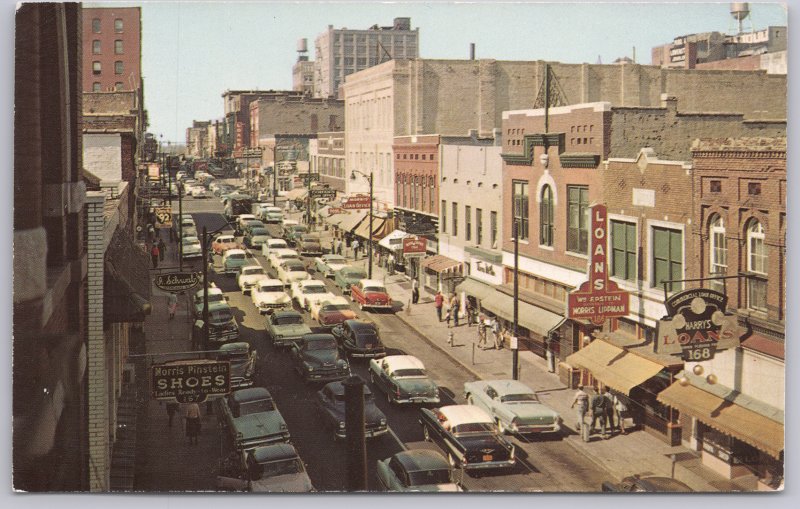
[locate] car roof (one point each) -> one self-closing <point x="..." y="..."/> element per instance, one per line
<point x="311" y="282"/>
<point x="293" y="262"/>
<point x="281" y="251"/>
<point x="235" y="347"/>
<point x="464" y="414"/>
<point x="226" y="237"/>
<point x="372" y="282"/>
<point x="504" y="387"/>
<point x="360" y="325"/>
<point x="191" y="238"/>
<point x="418" y="460"/>
<point x="351" y="268"/>
<point x="332" y="256"/>
<point x="235" y="251"/>
<point x="318" y="337"/>
<point x="276" y="241"/>
<point x="274" y="452"/>
<point x="250" y="393"/>
<point x="403" y="362"/>
<point x="335" y="300"/>
<point x="248" y="267"/>
<point x="288" y="312"/>
<point x="338" y="387"/>
<point x="269" y="281"/>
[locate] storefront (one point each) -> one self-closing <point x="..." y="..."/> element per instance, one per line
<point x="440" y="273"/>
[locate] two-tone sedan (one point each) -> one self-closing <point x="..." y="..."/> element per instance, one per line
<point x="468" y="436"/>
<point x="316" y="359"/>
<point x="309" y="291"/>
<point x="359" y="339"/>
<point x="513" y="405"/>
<point x="271" y="245"/>
<point x="233" y="260"/>
<point x="292" y="271"/>
<point x="249" y="276"/>
<point x="370" y="293"/>
<point x="346" y="277"/>
<point x="331" y="403"/>
<point x="417" y="470"/>
<point x="404" y="380"/>
<point x="278" y="256"/>
<point x="269" y="296"/>
<point x="223" y="243"/>
<point x="328" y="264"/>
<point x="330" y="313"/>
<point x="286" y="327"/>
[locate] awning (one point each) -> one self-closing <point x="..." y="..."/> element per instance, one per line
<point x="394" y="240"/>
<point x="336" y="219"/>
<point x="439" y="263"/>
<point x="126" y="286"/>
<point x="351" y="221"/>
<point x="363" y="229"/>
<point x="476" y="288"/>
<point x="614" y="366"/>
<point x="297" y="193"/>
<point x="726" y="416"/>
<point x="533" y="318"/>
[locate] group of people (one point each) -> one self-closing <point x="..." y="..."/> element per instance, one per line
<point x="191" y="416"/>
<point x="607" y="410"/>
<point x="449" y="308"/>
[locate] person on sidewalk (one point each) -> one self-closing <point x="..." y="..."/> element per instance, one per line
<point x="414" y="291"/>
<point x="482" y="332"/>
<point x="438" y="301"/>
<point x="192" y="422"/>
<point x="620" y="411"/>
<point x="598" y="404"/>
<point x="390" y="264"/>
<point x="470" y="312"/>
<point x="154" y="254"/>
<point x="581" y="400"/>
<point x="356" y="244"/>
<point x="172" y="304"/>
<point x="609" y="409"/>
<point x="498" y="335"/>
<point x="339" y="244"/>
<point x="455" y="307"/>
<point x="172" y="409"/>
<point x="162" y="249"/>
<point x="448" y="313"/>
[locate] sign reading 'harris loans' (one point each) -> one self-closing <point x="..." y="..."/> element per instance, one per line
<point x="190" y="381"/>
<point x="177" y="281"/>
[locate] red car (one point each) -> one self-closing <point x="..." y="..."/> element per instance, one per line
<point x="369" y="293"/>
<point x="223" y="243"/>
<point x="330" y="313"/>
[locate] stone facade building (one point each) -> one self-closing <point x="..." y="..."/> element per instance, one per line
<point x="326" y="155"/>
<point x="112" y="49"/>
<point x="197" y="139"/>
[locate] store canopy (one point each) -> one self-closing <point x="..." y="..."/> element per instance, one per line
<point x="349" y="223"/>
<point x="336" y="219"/>
<point x="394" y="240"/>
<point x="439" y="263"/>
<point x="297" y="193"/>
<point x="476" y="288"/>
<point x="615" y="367"/>
<point x="533" y="318"/>
<point x="726" y="416"/>
<point x="363" y="229"/>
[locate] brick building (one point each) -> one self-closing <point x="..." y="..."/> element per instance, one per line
<point x="197" y="139"/>
<point x="236" y="127"/>
<point x="112" y="49"/>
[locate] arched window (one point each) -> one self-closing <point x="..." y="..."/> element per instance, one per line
<point x="546" y="217"/>
<point x="718" y="264"/>
<point x="757" y="266"/>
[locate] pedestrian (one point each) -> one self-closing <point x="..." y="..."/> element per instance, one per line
<point x="581" y="400"/>
<point x="455" y="307"/>
<point x="154" y="254"/>
<point x="414" y="291"/>
<point x="356" y="245"/>
<point x="482" y="332"/>
<point x="339" y="244"/>
<point x="609" y="409"/>
<point x="620" y="411"/>
<point x="598" y="405"/>
<point x="172" y="408"/>
<point x="470" y="312"/>
<point x="498" y="336"/>
<point x="151" y="232"/>
<point x="448" y="313"/>
<point x="390" y="264"/>
<point x="162" y="249"/>
<point x="172" y="305"/>
<point x="192" y="422"/>
<point x="438" y="301"/>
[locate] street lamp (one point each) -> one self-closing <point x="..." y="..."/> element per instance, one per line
<point x="370" y="178"/>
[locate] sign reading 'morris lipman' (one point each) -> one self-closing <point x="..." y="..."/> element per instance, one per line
<point x="177" y="281"/>
<point x="599" y="298"/>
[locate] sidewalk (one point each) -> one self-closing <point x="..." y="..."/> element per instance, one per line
<point x="637" y="452"/>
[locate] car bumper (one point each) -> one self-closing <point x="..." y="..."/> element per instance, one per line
<point x="366" y="355"/>
<point x="271" y="308"/>
<point x="223" y="337"/>
<point x="368" y="433"/>
<point x="536" y="428"/>
<point x="418" y="400"/>
<point x="489" y="465"/>
<point x="331" y="376"/>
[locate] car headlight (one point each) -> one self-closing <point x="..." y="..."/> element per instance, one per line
<point x="383" y="422"/>
<point x="309" y="367"/>
<point x="341" y="363"/>
<point x="341" y="425"/>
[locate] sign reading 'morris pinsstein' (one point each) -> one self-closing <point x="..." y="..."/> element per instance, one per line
<point x="177" y="281"/>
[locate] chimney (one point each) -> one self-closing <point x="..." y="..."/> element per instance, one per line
<point x="472" y="51"/>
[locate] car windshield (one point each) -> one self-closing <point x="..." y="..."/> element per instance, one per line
<point x="289" y="320"/>
<point x="474" y="427"/>
<point x="322" y="344"/>
<point x="236" y="256"/>
<point x="336" y="307"/>
<point x="298" y="229"/>
<point x="375" y="289"/>
<point x="220" y="316"/>
<point x="355" y="274"/>
<point x="314" y="289"/>
<point x="214" y="297"/>
<point x="295" y="268"/>
<point x="426" y="477"/>
<point x="254" y="270"/>
<point x="310" y="238"/>
<point x="276" y="468"/>
<point x="259" y="231"/>
<point x="519" y="398"/>
<point x="270" y="288"/>
<point x="191" y="243"/>
<point x="410" y="373"/>
<point x="254" y="407"/>
<point x="277" y="245"/>
<point x="367" y="338"/>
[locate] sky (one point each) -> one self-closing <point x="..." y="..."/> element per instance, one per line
<point x="193" y="51"/>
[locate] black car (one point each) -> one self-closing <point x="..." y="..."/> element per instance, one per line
<point x="359" y="339"/>
<point x="243" y="362"/>
<point x="636" y="484"/>
<point x="316" y="359"/>
<point x="331" y="403"/>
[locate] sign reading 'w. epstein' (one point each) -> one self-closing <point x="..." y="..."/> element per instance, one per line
<point x="177" y="281"/>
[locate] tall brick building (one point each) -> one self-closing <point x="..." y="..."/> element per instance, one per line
<point x="112" y="49"/>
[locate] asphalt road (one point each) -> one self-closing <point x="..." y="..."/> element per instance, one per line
<point x="544" y="464"/>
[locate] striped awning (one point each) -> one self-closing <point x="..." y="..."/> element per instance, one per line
<point x="351" y="221"/>
<point x="615" y="367"/>
<point x="363" y="229"/>
<point x="440" y="263"/>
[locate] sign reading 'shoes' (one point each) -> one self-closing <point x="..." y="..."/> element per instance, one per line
<point x="190" y="381"/>
<point x="177" y="281"/>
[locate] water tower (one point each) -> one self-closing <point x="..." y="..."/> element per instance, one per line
<point x="740" y="11"/>
<point x="302" y="50"/>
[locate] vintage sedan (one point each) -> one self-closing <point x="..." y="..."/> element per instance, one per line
<point x="291" y="271"/>
<point x="199" y="192"/>
<point x="256" y="238"/>
<point x="469" y="437"/>
<point x="513" y="405"/>
<point x="249" y="276"/>
<point x="276" y="469"/>
<point x="331" y="312"/>
<point x="404" y="380"/>
<point x="308" y="244"/>
<point x="316" y="359"/>
<point x="328" y="264"/>
<point x="286" y="327"/>
<point x="331" y="403"/>
<point x="233" y="260"/>
<point x="191" y="249"/>
<point x="420" y="470"/>
<point x="309" y="292"/>
<point x="292" y="232"/>
<point x="270" y="245"/>
<point x="346" y="277"/>
<point x="359" y="339"/>
<point x="269" y="296"/>
<point x="278" y="256"/>
<point x="242" y="360"/>
<point x="215" y="296"/>
<point x="223" y="243"/>
<point x="370" y="293"/>
<point x="250" y="418"/>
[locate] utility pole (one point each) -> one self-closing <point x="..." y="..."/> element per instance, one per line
<point x="369" y="240"/>
<point x="515" y="351"/>
<point x="204" y="250"/>
<point x="354" y="429"/>
<point x="180" y="227"/>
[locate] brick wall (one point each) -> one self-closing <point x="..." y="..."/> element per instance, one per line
<point x="131" y="47"/>
<point x="299" y="116"/>
<point x="120" y="103"/>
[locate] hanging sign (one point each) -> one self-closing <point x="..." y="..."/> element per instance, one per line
<point x="360" y="201"/>
<point x="599" y="298"/>
<point x="414" y="245"/>
<point x="190" y="381"/>
<point x="163" y="216"/>
<point x="177" y="281"/>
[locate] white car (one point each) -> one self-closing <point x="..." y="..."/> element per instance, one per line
<point x="278" y="256"/>
<point x="259" y="209"/>
<point x="243" y="218"/>
<point x="272" y="244"/>
<point x="248" y="276"/>
<point x="191" y="248"/>
<point x="308" y="291"/>
<point x="328" y="264"/>
<point x="268" y="295"/>
<point x="337" y="305"/>
<point x="292" y="270"/>
<point x="199" y="192"/>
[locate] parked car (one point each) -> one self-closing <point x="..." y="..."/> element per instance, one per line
<point x="233" y="260"/>
<point x="370" y="293"/>
<point x="331" y="312"/>
<point x="256" y="237"/>
<point x="251" y="419"/>
<point x="269" y="296"/>
<point x="346" y="277"/>
<point x="514" y="406"/>
<point x="331" y="404"/>
<point x="636" y="484"/>
<point x="292" y="232"/>
<point x="404" y="380"/>
<point x="222" y="326"/>
<point x="199" y="192"/>
<point x="328" y="264"/>
<point x="224" y="242"/>
<point x="469" y="437"/>
<point x="215" y="296"/>
<point x="292" y="270"/>
<point x="191" y="249"/>
<point x="249" y="276"/>
<point x="316" y="359"/>
<point x="270" y="245"/>
<point x="308" y="244"/>
<point x="278" y="256"/>
<point x="250" y="224"/>
<point x="309" y="291"/>
<point x="416" y="470"/>
<point x="189" y="231"/>
<point x="242" y="361"/>
<point x="359" y="339"/>
<point x="285" y="327"/>
<point x="274" y="468"/>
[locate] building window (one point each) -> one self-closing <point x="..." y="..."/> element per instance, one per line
<point x="118" y="86"/>
<point x="430" y="186"/>
<point x="493" y="228"/>
<point x="455" y="219"/>
<point x="468" y="223"/>
<point x="96" y="86"/>
<point x="96" y="68"/>
<point x="478" y="226"/>
<point x="118" y="26"/>
<point x="719" y="252"/>
<point x="578" y="219"/>
<point x="715" y="186"/>
<point x="96" y="25"/>
<point x="546" y="217"/>
<point x="118" y="47"/>
<point x="444" y="216"/>
<point x="96" y="47"/>
<point x="623" y="250"/>
<point x="667" y="258"/>
<point x="756" y="264"/>
<point x="754" y="188"/>
<point x="118" y="68"/>
<point x="520" y="205"/>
